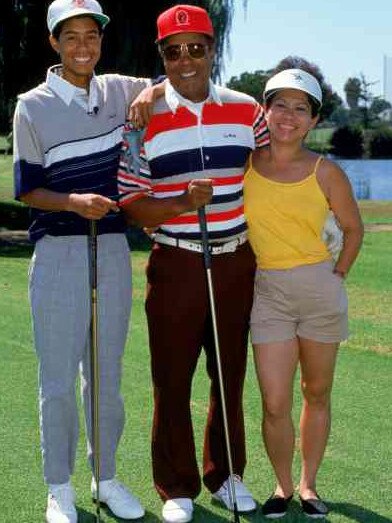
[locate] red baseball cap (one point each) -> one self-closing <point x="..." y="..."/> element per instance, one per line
<point x="184" y="19"/>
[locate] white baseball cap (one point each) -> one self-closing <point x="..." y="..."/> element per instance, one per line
<point x="61" y="10"/>
<point x="294" y="79"/>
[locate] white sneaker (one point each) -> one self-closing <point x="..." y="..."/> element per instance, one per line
<point x="245" y="501"/>
<point x="118" y="499"/>
<point x="177" y="510"/>
<point x="61" y="504"/>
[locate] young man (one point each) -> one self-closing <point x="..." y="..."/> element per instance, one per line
<point x="67" y="139"/>
<point x="196" y="146"/>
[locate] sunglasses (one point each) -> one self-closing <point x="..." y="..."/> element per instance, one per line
<point x="172" y="53"/>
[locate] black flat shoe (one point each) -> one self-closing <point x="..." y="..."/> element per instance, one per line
<point x="314" y="508"/>
<point x="276" y="506"/>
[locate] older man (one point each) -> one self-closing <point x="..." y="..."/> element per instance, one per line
<point x="194" y="151"/>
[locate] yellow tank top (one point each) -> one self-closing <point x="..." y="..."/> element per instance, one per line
<point x="285" y="220"/>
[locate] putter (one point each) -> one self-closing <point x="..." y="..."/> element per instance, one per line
<point x="207" y="263"/>
<point x="94" y="363"/>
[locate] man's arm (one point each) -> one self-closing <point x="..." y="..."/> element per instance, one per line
<point x="260" y="129"/>
<point x="136" y="190"/>
<point x="90" y="206"/>
<point x="147" y="211"/>
<point x="141" y="109"/>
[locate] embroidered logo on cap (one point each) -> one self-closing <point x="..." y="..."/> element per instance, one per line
<point x="79" y="3"/>
<point x="182" y="17"/>
<point x="298" y="77"/>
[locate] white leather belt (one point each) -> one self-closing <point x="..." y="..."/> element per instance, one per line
<point x="223" y="248"/>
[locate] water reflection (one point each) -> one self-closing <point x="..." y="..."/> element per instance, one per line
<point x="370" y="179"/>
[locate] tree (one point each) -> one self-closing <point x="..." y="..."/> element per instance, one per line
<point x="347" y="142"/>
<point x="379" y="105"/>
<point x="380" y="145"/>
<point x="360" y="99"/>
<point x="352" y="88"/>
<point x="250" y="83"/>
<point x="129" y="44"/>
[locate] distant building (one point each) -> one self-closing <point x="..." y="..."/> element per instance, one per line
<point x="388" y="78"/>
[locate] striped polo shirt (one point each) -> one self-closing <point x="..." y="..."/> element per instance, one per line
<point x="68" y="140"/>
<point x="184" y="141"/>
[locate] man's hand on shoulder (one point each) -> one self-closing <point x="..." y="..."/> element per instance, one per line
<point x="141" y="109"/>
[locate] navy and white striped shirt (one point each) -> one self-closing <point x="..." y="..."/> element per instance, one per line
<point x="68" y="141"/>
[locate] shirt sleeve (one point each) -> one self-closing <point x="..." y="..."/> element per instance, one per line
<point x="133" y="176"/>
<point x="29" y="171"/>
<point x="134" y="86"/>
<point x="260" y="129"/>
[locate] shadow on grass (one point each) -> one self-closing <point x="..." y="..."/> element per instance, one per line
<point x="85" y="516"/>
<point x="352" y="512"/>
<point x="357" y="513"/>
<point x="202" y="514"/>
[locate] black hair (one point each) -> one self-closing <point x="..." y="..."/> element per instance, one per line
<point x="57" y="30"/>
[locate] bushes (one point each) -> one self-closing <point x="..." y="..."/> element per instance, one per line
<point x="380" y="144"/>
<point x="352" y="142"/>
<point x="347" y="142"/>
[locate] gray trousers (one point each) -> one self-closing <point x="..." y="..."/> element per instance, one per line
<point x="60" y="303"/>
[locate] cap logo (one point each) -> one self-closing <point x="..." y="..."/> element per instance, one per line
<point x="298" y="77"/>
<point x="182" y="17"/>
<point x="79" y="3"/>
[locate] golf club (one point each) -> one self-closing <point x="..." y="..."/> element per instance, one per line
<point x="94" y="363"/>
<point x="207" y="263"/>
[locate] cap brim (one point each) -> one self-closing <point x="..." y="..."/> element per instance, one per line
<point x="102" y="19"/>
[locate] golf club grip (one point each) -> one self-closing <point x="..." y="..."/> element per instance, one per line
<point x="201" y="211"/>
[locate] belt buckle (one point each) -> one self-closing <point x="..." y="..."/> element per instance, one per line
<point x="216" y="249"/>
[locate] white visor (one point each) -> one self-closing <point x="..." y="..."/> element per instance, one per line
<point x="294" y="79"/>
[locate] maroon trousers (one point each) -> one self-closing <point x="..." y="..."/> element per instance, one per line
<point x="180" y="326"/>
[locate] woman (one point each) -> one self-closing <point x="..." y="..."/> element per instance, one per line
<point x="299" y="312"/>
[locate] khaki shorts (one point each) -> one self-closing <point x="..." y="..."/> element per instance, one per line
<point x="309" y="301"/>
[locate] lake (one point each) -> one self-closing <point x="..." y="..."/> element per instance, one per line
<point x="370" y="179"/>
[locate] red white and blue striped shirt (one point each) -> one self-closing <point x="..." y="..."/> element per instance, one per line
<point x="185" y="141"/>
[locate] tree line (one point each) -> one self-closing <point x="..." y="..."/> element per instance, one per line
<point x="129" y="48"/>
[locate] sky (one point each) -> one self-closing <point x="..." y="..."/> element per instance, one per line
<point x="343" y="37"/>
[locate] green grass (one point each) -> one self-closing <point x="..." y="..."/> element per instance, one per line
<point x="355" y="476"/>
<point x="321" y="134"/>
<point x="376" y="211"/>
<point x="319" y="139"/>
<point x="6" y="179"/>
<point x="3" y="142"/>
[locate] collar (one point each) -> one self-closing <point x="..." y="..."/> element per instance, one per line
<point x="174" y="99"/>
<point x="67" y="91"/>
